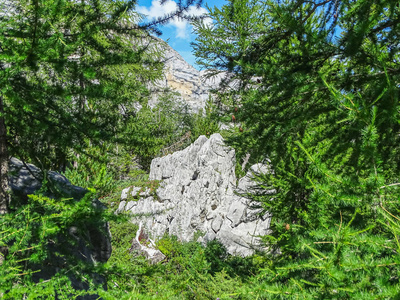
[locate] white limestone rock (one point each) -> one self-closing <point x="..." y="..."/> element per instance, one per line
<point x="125" y="193"/>
<point x="197" y="194"/>
<point x="121" y="206"/>
<point x="144" y="245"/>
<point x="135" y="191"/>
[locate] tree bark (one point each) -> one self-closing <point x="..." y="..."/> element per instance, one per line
<point x="4" y="188"/>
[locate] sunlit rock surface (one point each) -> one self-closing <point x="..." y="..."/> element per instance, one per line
<point x="198" y="198"/>
<point x="191" y="84"/>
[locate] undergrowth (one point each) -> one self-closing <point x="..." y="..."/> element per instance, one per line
<point x="190" y="270"/>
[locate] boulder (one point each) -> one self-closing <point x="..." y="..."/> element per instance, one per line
<point x="198" y="195"/>
<point x="92" y="246"/>
<point x="26" y="179"/>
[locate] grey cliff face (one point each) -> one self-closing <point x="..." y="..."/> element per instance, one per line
<point x="197" y="196"/>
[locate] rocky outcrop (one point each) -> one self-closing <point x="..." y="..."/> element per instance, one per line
<point x="192" y="85"/>
<point x="26" y="179"/>
<point x="198" y="197"/>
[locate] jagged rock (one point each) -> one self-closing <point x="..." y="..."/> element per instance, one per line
<point x="121" y="206"/>
<point x="125" y="193"/>
<point x="197" y="194"/>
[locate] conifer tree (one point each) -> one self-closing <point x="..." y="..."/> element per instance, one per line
<point x="69" y="71"/>
<point x="319" y="98"/>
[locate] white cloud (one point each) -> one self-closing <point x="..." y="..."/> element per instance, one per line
<point x="182" y="26"/>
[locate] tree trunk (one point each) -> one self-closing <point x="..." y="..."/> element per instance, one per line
<point x="4" y="189"/>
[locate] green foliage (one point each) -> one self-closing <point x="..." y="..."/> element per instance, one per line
<point x="91" y="173"/>
<point x="122" y="270"/>
<point x="205" y="122"/>
<point x="156" y="128"/>
<point x="71" y="75"/>
<point x="167" y="245"/>
<point x="166" y="128"/>
<point x="315" y="92"/>
<point x="187" y="272"/>
<point x="42" y="260"/>
<point x="102" y="168"/>
<point x="67" y="68"/>
<point x="219" y="260"/>
<point x="323" y="108"/>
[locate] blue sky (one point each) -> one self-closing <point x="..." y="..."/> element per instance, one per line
<point x="178" y="33"/>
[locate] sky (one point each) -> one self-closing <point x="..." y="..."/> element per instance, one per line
<point x="178" y="33"/>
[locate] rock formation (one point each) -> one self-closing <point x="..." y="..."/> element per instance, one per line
<point x="198" y="197"/>
<point x="142" y="244"/>
<point x="191" y="84"/>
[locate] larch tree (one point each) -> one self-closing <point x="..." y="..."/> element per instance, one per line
<point x="68" y="69"/>
<point x="319" y="98"/>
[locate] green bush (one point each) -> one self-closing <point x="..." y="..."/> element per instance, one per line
<point x="205" y="122"/>
<point x="151" y="129"/>
<point x="41" y="260"/>
<point x="91" y="170"/>
<point x="190" y="271"/>
<point x="323" y="109"/>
